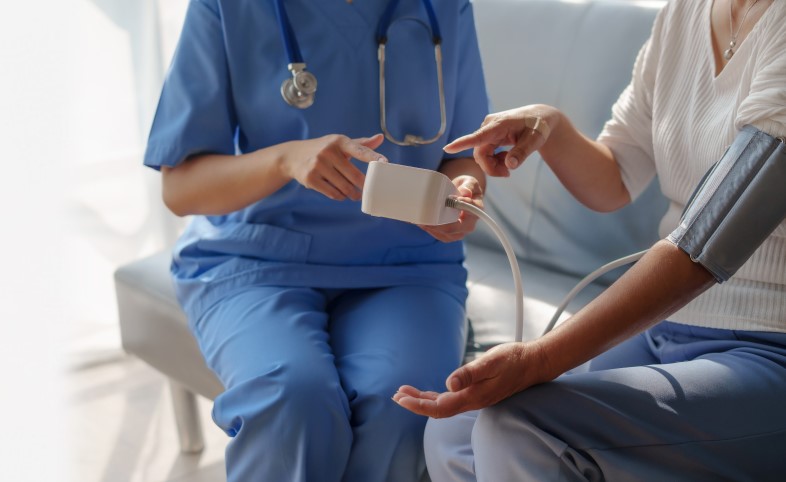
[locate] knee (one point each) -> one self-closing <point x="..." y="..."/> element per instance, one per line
<point x="498" y="425"/>
<point x="282" y="392"/>
<point x="491" y="426"/>
<point x="448" y="450"/>
<point x="377" y="408"/>
<point x="370" y="401"/>
<point x="448" y="435"/>
<point x="436" y="435"/>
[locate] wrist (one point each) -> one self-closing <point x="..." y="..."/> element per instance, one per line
<point x="548" y="367"/>
<point x="560" y="130"/>
<point x="282" y="159"/>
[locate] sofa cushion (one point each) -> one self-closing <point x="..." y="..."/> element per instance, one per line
<point x="491" y="306"/>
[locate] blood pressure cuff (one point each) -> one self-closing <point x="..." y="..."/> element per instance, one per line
<point x="737" y="205"/>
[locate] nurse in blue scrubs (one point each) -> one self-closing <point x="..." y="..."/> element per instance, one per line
<point x="310" y="312"/>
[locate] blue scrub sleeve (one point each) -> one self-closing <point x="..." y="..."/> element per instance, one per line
<point x="195" y="112"/>
<point x="471" y="103"/>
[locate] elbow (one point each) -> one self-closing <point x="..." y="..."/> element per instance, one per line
<point x="174" y="204"/>
<point x="610" y="203"/>
<point x="170" y="194"/>
<point x="611" y="192"/>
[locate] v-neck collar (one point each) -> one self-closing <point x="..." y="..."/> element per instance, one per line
<point x="353" y="20"/>
<point x="742" y="47"/>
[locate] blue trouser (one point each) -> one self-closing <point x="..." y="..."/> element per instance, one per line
<point x="675" y="403"/>
<point x="309" y="376"/>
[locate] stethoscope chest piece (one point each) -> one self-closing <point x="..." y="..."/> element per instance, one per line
<point x="299" y="90"/>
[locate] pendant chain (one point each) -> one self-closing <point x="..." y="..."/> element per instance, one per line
<point x="729" y="52"/>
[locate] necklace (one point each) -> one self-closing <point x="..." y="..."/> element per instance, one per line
<point x="729" y="52"/>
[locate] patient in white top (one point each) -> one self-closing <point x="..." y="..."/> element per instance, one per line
<point x="699" y="396"/>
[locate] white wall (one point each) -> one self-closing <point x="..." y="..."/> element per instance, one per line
<point x="113" y="201"/>
<point x="78" y="87"/>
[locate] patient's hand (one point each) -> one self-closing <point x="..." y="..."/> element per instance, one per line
<point x="501" y="372"/>
<point x="526" y="129"/>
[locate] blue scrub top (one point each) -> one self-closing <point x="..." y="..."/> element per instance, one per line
<point x="222" y="95"/>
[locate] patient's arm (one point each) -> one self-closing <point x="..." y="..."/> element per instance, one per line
<point x="585" y="167"/>
<point x="660" y="283"/>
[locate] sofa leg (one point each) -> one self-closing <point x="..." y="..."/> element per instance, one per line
<point x="189" y="428"/>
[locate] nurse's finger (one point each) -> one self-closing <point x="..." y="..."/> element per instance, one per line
<point x="325" y="187"/>
<point x="363" y="150"/>
<point x="455" y="231"/>
<point x="442" y="233"/>
<point x="344" y="176"/>
<point x="372" y="142"/>
<point x="469" y="187"/>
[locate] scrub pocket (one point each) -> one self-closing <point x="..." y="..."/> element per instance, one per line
<point x="432" y="252"/>
<point x="260" y="241"/>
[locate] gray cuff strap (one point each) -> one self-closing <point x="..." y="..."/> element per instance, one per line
<point x="738" y="204"/>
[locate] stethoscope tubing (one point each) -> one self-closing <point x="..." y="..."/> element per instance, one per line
<point x="293" y="48"/>
<point x="299" y="90"/>
<point x="287" y="34"/>
<point x="387" y="16"/>
<point x="436" y="37"/>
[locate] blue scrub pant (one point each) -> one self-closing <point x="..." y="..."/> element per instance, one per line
<point x="675" y="403"/>
<point x="309" y="376"/>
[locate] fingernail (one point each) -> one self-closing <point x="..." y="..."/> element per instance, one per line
<point x="382" y="159"/>
<point x="511" y="162"/>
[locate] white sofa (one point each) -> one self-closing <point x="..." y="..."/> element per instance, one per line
<point x="574" y="54"/>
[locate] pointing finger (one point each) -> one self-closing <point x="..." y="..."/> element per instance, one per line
<point x="362" y="150"/>
<point x="462" y="143"/>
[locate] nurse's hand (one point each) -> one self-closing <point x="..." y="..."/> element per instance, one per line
<point x="526" y="129"/>
<point x="501" y="372"/>
<point x="323" y="164"/>
<point x="470" y="192"/>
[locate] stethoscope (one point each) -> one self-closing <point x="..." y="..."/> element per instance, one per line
<point x="300" y="89"/>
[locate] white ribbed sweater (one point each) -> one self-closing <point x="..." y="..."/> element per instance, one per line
<point x="675" y="120"/>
